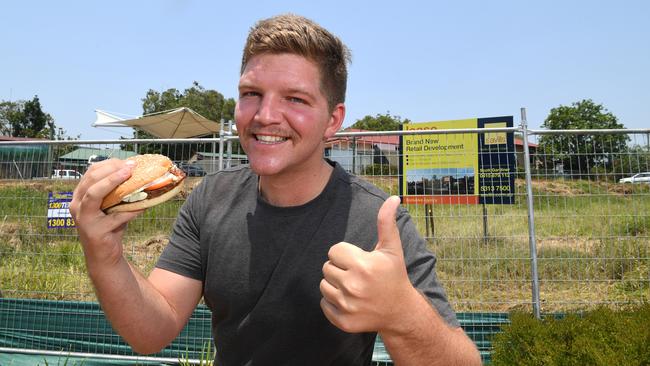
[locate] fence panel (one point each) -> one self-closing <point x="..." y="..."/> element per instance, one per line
<point x="593" y="230"/>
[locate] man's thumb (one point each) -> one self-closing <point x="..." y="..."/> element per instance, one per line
<point x="387" y="231"/>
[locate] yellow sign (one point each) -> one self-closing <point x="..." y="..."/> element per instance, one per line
<point x="495" y="138"/>
<point x="441" y="167"/>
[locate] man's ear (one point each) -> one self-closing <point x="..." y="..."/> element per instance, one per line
<point x="335" y="121"/>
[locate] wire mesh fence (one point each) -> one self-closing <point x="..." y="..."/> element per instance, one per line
<point x="591" y="224"/>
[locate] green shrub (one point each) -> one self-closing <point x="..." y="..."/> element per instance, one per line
<point x="598" y="337"/>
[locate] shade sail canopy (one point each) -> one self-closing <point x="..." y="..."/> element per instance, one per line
<point x="176" y="123"/>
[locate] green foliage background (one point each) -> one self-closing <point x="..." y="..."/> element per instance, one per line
<point x="582" y="152"/>
<point x="601" y="337"/>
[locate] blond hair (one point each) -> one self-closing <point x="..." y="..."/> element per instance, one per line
<point x="294" y="34"/>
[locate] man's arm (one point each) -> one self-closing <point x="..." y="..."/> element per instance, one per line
<point x="148" y="313"/>
<point x="370" y="291"/>
<point x="422" y="337"/>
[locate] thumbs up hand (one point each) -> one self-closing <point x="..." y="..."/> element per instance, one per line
<point x="362" y="291"/>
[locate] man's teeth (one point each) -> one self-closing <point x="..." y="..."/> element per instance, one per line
<point x="270" y="139"/>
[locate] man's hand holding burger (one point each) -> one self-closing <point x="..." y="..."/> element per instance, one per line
<point x="101" y="234"/>
<point x="112" y="193"/>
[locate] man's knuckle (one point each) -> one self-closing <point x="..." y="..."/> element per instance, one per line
<point x="321" y="286"/>
<point x="354" y="288"/>
<point x="90" y="196"/>
<point x="347" y="324"/>
<point x="91" y="175"/>
<point x="332" y="252"/>
<point x="365" y="268"/>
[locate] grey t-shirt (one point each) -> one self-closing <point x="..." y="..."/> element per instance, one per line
<point x="261" y="266"/>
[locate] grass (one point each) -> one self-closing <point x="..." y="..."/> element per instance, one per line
<point x="206" y="357"/>
<point x="593" y="246"/>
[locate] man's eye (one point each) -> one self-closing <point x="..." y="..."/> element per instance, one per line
<point x="249" y="94"/>
<point x="297" y="100"/>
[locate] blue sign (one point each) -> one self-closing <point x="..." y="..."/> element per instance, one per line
<point x="58" y="210"/>
<point x="496" y="163"/>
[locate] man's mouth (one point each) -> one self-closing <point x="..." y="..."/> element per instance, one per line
<point x="266" y="139"/>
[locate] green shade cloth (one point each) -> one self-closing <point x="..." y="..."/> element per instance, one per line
<point x="81" y="327"/>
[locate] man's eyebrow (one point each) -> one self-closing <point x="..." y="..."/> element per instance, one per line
<point x="244" y="85"/>
<point x="300" y="91"/>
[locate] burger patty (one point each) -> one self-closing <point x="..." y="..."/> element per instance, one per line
<point x="160" y="191"/>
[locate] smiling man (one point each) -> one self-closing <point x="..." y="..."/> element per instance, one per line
<point x="300" y="262"/>
<point x="283" y="118"/>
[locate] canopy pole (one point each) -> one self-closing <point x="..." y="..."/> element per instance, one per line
<point x="135" y="147"/>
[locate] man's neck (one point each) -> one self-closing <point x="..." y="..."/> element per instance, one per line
<point x="295" y="189"/>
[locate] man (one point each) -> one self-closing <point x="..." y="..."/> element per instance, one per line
<point x="299" y="262"/>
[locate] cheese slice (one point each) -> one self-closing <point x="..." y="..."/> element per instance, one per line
<point x="135" y="197"/>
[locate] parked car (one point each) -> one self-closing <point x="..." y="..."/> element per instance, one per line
<point x="65" y="174"/>
<point x="637" y="178"/>
<point x="192" y="170"/>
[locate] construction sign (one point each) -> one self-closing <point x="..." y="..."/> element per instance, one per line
<point x="458" y="168"/>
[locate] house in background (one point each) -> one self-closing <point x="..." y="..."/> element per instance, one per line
<point x="24" y="161"/>
<point x="355" y="154"/>
<point x="519" y="152"/>
<point x="78" y="158"/>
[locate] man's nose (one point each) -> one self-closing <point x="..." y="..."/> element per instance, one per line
<point x="270" y="110"/>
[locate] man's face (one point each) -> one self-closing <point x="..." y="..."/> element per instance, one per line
<point x="282" y="115"/>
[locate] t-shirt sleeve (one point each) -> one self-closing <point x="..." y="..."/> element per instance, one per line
<point x="182" y="255"/>
<point x="420" y="264"/>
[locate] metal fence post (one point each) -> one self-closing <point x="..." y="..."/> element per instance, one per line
<point x="531" y="218"/>
<point x="229" y="145"/>
<point x="221" y="141"/>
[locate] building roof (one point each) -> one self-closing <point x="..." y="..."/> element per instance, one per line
<point x="11" y="138"/>
<point x="83" y="153"/>
<point x="521" y="143"/>
<point x="384" y="139"/>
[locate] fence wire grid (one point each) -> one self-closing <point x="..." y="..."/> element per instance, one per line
<point x="584" y="241"/>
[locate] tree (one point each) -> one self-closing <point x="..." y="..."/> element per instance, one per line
<point x="25" y="119"/>
<point x="209" y="103"/>
<point x="228" y="110"/>
<point x="380" y="122"/>
<point x="10" y="114"/>
<point x="35" y="120"/>
<point x="577" y="152"/>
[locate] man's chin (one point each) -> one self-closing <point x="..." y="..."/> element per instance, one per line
<point x="266" y="169"/>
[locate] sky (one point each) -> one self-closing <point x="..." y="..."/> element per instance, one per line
<point x="421" y="60"/>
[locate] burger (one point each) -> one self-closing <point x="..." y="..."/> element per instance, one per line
<point x="154" y="180"/>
